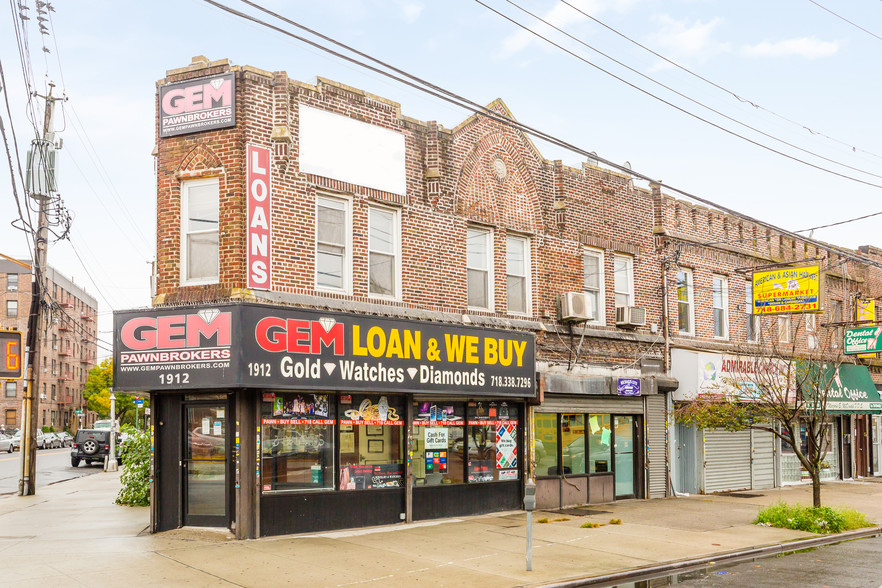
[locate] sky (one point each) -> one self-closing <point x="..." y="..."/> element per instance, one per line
<point x="792" y="70"/>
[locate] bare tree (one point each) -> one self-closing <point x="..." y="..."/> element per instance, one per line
<point x="780" y="385"/>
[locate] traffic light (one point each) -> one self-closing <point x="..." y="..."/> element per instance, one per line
<point x="11" y="356"/>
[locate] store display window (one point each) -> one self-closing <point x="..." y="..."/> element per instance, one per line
<point x="572" y="434"/>
<point x="371" y="442"/>
<point x="492" y="442"/>
<point x="438" y="443"/>
<point x="599" y="439"/>
<point x="297" y="442"/>
<point x="545" y="442"/>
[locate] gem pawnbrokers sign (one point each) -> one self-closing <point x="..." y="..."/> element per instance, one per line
<point x="863" y="340"/>
<point x="193" y="106"/>
<point x="258" y="346"/>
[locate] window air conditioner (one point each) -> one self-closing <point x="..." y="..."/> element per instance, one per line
<point x="42" y="397"/>
<point x="630" y="316"/>
<point x="577" y="307"/>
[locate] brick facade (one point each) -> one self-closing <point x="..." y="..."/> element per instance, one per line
<point x="480" y="173"/>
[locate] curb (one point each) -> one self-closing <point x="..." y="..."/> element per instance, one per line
<point x="688" y="565"/>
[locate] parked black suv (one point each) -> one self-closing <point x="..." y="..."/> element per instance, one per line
<point x="91" y="445"/>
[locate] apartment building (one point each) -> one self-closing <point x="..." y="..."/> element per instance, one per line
<point x="68" y="347"/>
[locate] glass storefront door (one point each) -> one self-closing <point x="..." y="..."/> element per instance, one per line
<point x="205" y="465"/>
<point x="624" y="455"/>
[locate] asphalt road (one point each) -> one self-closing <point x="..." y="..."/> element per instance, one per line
<point x="852" y="564"/>
<point x="53" y="465"/>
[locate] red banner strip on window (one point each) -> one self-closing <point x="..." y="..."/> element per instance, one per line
<point x="298" y="421"/>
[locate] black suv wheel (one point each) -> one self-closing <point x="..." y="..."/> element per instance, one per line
<point x="75" y="461"/>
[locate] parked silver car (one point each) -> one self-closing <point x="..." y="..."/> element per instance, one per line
<point x="16" y="440"/>
<point x="6" y="443"/>
<point x="51" y="441"/>
<point x="65" y="438"/>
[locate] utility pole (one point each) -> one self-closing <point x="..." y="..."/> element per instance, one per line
<point x="41" y="175"/>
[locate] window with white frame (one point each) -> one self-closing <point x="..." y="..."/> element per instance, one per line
<point x="685" y="302"/>
<point x="12" y="282"/>
<point x="332" y="240"/>
<point x="12" y="308"/>
<point x="623" y="269"/>
<point x="811" y="330"/>
<point x="751" y="321"/>
<point x="199" y="231"/>
<point x="517" y="264"/>
<point x="721" y="306"/>
<point x="593" y="286"/>
<point x="383" y="252"/>
<point x="11" y="389"/>
<point x="784" y="329"/>
<point x="479" y="267"/>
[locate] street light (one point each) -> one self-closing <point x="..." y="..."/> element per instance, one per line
<point x="112" y="465"/>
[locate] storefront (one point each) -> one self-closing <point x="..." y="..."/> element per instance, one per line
<point x="272" y="420"/>
<point x="852" y="400"/>
<point x="599" y="438"/>
<point x="717" y="460"/>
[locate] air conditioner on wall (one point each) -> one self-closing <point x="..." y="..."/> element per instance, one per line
<point x="630" y="316"/>
<point x="577" y="307"/>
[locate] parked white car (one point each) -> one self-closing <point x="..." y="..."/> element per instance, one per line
<point x="6" y="443"/>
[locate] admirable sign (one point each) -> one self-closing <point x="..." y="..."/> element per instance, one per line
<point x="258" y="346"/>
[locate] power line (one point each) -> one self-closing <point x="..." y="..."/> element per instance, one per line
<point x="462" y="102"/>
<point x="681" y="94"/>
<point x="715" y="84"/>
<point x="679" y="108"/>
<point x="846" y="20"/>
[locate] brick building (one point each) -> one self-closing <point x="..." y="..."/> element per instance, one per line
<point x="384" y="319"/>
<point x="68" y="353"/>
<point x="712" y="326"/>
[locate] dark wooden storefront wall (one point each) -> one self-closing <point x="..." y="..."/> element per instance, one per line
<point x="281" y="514"/>
<point x="167" y="469"/>
<point x="452" y="500"/>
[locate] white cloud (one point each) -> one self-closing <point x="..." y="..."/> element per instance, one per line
<point x="410" y="11"/>
<point x="560" y="16"/>
<point x="681" y="40"/>
<point x="808" y="47"/>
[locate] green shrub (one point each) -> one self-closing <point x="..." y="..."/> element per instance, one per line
<point x="822" y="519"/>
<point x="135" y="478"/>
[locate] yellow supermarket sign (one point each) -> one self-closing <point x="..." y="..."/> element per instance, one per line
<point x="788" y="290"/>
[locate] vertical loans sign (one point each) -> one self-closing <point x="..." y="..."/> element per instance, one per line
<point x="259" y="210"/>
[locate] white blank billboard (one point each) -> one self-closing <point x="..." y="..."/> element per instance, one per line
<point x="338" y="147"/>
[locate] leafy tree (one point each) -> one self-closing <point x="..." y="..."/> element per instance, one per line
<point x="96" y="391"/>
<point x="779" y="388"/>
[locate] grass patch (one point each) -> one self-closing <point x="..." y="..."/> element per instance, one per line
<point x="615" y="521"/>
<point x="543" y="520"/>
<point x="559" y="520"/>
<point x="823" y="519"/>
<point x="590" y="525"/>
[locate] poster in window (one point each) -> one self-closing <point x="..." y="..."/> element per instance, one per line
<point x="506" y="445"/>
<point x="480" y="470"/>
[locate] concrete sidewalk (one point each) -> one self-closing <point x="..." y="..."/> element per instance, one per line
<point x="71" y="534"/>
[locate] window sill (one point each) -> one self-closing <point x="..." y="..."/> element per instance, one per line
<point x="205" y="282"/>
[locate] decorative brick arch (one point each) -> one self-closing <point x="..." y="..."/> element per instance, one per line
<point x="498" y="194"/>
<point x="200" y="161"/>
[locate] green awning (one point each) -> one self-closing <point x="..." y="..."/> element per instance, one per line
<point x="852" y="392"/>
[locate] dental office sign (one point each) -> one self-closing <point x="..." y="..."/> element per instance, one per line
<point x="193" y="106"/>
<point x="258" y="229"/>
